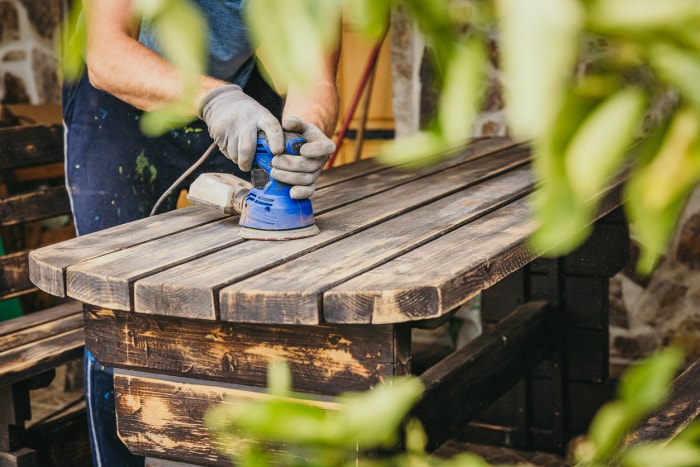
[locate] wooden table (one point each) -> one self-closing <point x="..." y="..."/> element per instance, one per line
<point x="188" y="312"/>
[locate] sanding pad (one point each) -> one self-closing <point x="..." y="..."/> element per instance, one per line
<point x="289" y="234"/>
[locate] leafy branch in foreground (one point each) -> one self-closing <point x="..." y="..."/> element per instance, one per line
<point x="285" y="428"/>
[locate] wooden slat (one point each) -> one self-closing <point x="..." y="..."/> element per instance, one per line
<point x="38" y="333"/>
<point x="24" y="146"/>
<point x="14" y="275"/>
<point x="452" y="268"/>
<point x="322" y="359"/>
<point x="364" y="167"/>
<point x="292" y="292"/>
<point x="465" y="382"/>
<point x="352" y="189"/>
<point x="47" y="265"/>
<point x="107" y="280"/>
<point x="191" y="290"/>
<point x="163" y="416"/>
<point x="37" y="205"/>
<point x="36" y="319"/>
<point x="34" y="358"/>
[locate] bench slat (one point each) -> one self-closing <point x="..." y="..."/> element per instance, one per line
<point x="36" y="334"/>
<point x="38" y="318"/>
<point x="32" y="359"/>
<point x="33" y="206"/>
<point x="29" y="145"/>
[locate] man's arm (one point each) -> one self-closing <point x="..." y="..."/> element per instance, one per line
<point x="118" y="64"/>
<point x="319" y="103"/>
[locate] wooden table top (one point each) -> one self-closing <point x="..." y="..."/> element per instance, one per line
<point x="396" y="245"/>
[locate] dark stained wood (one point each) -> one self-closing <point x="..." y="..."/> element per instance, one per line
<point x="680" y="410"/>
<point x="41" y="204"/>
<point x="465" y="382"/>
<point x="28" y="145"/>
<point x="323" y="359"/>
<point x="154" y="423"/>
<point x="35" y="333"/>
<point x="14" y="275"/>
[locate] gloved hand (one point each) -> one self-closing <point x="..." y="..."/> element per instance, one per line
<point x="302" y="171"/>
<point x="233" y="119"/>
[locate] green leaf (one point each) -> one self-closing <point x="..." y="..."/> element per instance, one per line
<point x="298" y="33"/>
<point x="608" y="427"/>
<point x="598" y="147"/>
<point x="460" y="96"/>
<point x="415" y="151"/>
<point x="663" y="455"/>
<point x="658" y="187"/>
<point x="70" y="43"/>
<point x="638" y="15"/>
<point x="370" y="17"/>
<point x="646" y="385"/>
<point x="538" y="47"/>
<point x="373" y="417"/>
<point x="679" y="67"/>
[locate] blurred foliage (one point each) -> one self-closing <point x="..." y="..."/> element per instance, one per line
<point x="284" y="428"/>
<point x="181" y="32"/>
<point x="583" y="81"/>
<point x="280" y="427"/>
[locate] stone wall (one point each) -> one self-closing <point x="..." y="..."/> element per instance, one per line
<point x="646" y="313"/>
<point x="28" y="71"/>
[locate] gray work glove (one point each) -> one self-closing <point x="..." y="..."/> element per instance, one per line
<point x="233" y="119"/>
<point x="302" y="171"/>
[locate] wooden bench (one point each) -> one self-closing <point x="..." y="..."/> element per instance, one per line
<point x="207" y="312"/>
<point x="50" y="332"/>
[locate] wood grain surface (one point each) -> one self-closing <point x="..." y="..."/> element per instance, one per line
<point x="160" y="416"/>
<point x="396" y="245"/>
<point x="322" y="359"/>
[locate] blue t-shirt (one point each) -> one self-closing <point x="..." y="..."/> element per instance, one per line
<point x="230" y="52"/>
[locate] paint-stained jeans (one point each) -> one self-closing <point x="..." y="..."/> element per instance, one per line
<point x="114" y="174"/>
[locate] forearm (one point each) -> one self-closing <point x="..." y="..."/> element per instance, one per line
<point x="118" y="64"/>
<point x="318" y="104"/>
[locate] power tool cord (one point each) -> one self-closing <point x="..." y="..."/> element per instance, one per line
<point x="186" y="174"/>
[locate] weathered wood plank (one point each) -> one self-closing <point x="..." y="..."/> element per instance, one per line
<point x="40" y="332"/>
<point x="32" y="359"/>
<point x="47" y="265"/>
<point x="35" y="319"/>
<point x="163" y="416"/>
<point x="680" y="410"/>
<point x="36" y="205"/>
<point x="296" y="288"/>
<point x="443" y="273"/>
<point x="27" y="145"/>
<point x="107" y="280"/>
<point x="322" y="359"/>
<point x="191" y="290"/>
<point x="332" y="196"/>
<point x="452" y="269"/>
<point x="14" y="275"/>
<point x="465" y="382"/>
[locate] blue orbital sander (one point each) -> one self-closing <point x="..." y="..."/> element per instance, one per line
<point x="267" y="210"/>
